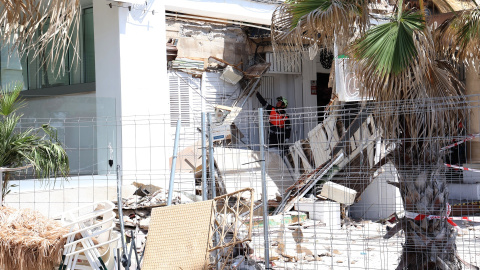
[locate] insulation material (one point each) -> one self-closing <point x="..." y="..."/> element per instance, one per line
<point x="178" y="237"/>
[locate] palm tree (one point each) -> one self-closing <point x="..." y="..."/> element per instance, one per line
<point x="45" y="28"/>
<point x="27" y="147"/>
<point x="412" y="64"/>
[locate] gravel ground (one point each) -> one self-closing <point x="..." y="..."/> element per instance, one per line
<point x="359" y="245"/>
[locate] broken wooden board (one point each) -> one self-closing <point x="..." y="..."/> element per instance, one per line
<point x="352" y="128"/>
<point x="178" y="237"/>
<point x="322" y="140"/>
<point x="301" y="154"/>
<point x="257" y="70"/>
<point x="305" y="184"/>
<point x="188" y="158"/>
<point x="296" y="161"/>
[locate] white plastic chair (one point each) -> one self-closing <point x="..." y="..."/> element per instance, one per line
<point x="95" y="248"/>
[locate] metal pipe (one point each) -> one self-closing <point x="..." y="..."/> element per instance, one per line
<point x="211" y="158"/>
<point x="264" y="188"/>
<point x="120" y="217"/>
<point x="204" y="158"/>
<point x="174" y="164"/>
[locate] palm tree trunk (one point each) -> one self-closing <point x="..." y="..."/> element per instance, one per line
<point x="429" y="243"/>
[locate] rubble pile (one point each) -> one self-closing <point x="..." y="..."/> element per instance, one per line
<point x="137" y="208"/>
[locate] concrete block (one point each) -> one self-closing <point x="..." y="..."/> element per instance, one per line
<point x="338" y="193"/>
<point x="325" y="211"/>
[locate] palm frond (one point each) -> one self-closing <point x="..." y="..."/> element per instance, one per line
<point x="389" y="47"/>
<point x="38" y="147"/>
<point x="316" y="23"/>
<point x="459" y="37"/>
<point x="40" y="27"/>
<point x="425" y="81"/>
<point x="9" y="99"/>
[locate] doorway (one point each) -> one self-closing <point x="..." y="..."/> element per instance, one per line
<point x="324" y="94"/>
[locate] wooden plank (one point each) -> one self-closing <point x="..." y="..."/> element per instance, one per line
<point x="362" y="115"/>
<point x="330" y="126"/>
<point x="322" y="140"/>
<point x="312" y="181"/>
<point x="296" y="162"/>
<point x="306" y="163"/>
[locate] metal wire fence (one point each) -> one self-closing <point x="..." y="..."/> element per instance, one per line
<point x="338" y="195"/>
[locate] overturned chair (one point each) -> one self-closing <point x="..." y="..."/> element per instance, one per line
<point x="91" y="241"/>
<point x="202" y="235"/>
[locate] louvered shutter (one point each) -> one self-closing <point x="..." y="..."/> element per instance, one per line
<point x="180" y="107"/>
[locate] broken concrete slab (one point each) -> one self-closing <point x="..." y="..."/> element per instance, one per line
<point x="338" y="193"/>
<point x="379" y="199"/>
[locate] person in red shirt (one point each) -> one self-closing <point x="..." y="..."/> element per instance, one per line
<point x="280" y="125"/>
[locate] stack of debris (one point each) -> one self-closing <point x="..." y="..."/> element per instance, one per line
<point x="335" y="148"/>
<point x="137" y="208"/>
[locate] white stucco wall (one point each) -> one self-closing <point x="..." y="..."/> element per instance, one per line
<point x="380" y="199"/>
<point x="130" y="58"/>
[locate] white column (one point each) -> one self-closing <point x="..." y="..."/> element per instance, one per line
<point x="130" y="56"/>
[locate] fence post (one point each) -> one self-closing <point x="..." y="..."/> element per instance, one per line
<point x="174" y="163"/>
<point x="211" y="158"/>
<point x="264" y="188"/>
<point x="204" y="158"/>
<point x="120" y="217"/>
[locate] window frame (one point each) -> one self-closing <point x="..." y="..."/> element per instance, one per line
<point x="82" y="87"/>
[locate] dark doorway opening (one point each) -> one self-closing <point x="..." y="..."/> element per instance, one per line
<point x="324" y="94"/>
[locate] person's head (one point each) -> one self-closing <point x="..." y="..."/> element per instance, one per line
<point x="282" y="102"/>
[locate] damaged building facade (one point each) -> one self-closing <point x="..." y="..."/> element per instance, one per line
<point x="207" y="44"/>
<point x="160" y="63"/>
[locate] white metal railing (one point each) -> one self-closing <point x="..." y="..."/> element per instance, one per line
<point x="284" y="63"/>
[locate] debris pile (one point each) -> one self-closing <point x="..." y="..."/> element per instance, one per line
<point x="138" y="207"/>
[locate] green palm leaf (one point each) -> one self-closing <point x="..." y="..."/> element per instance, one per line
<point x="390" y="47"/>
<point x="9" y="101"/>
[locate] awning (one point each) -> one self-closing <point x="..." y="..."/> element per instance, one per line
<point x="238" y="10"/>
